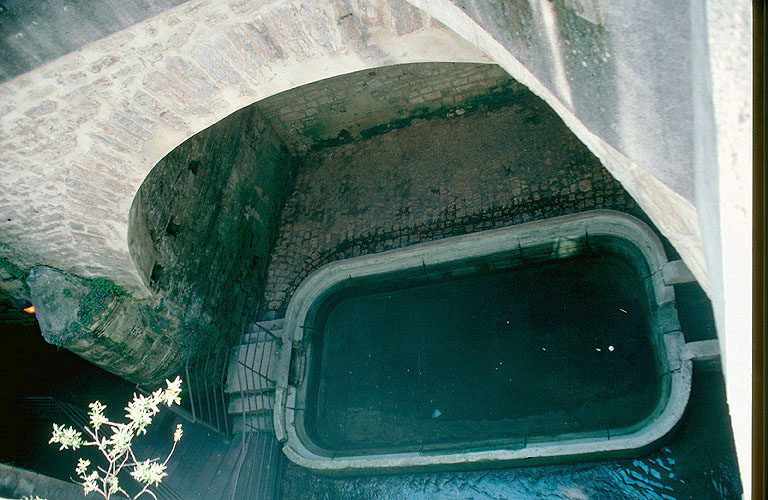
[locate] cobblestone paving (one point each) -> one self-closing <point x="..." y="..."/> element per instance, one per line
<point x="432" y="180"/>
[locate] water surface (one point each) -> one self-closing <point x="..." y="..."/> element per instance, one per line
<point x="543" y="350"/>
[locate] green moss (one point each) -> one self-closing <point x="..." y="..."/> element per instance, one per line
<point x="74" y="331"/>
<point x="101" y="293"/>
<point x="495" y="97"/>
<point x="13" y="270"/>
<point x="343" y="137"/>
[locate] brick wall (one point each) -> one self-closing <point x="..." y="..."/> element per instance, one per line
<point x="80" y="134"/>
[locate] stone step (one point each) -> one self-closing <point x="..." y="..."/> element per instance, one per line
<point x="274" y="324"/>
<point x="253" y="423"/>
<point x="261" y="362"/>
<point x="257" y="335"/>
<point x="263" y="330"/>
<point x="255" y="404"/>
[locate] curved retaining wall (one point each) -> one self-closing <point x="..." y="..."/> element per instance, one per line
<point x="203" y="221"/>
<point x="553" y="238"/>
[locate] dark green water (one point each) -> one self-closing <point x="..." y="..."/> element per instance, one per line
<point x="697" y="462"/>
<point x="539" y="351"/>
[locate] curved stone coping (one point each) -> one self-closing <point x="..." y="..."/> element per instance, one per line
<point x="561" y="235"/>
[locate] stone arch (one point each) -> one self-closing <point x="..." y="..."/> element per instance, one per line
<point x="204" y="219"/>
<point x="365" y="36"/>
<point x="80" y="134"/>
<point x="111" y="111"/>
<point x="225" y="70"/>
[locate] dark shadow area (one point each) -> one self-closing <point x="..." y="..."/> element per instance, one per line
<point x="542" y="350"/>
<point x="697" y="461"/>
<point x="32" y="368"/>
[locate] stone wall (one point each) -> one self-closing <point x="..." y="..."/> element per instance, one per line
<point x="17" y="483"/>
<point x="363" y="104"/>
<point x="204" y="220"/>
<point x="201" y="227"/>
<point x="80" y="134"/>
<point x="571" y="47"/>
<point x="35" y="33"/>
<point x="618" y="74"/>
<point x="433" y="180"/>
<point x="102" y="323"/>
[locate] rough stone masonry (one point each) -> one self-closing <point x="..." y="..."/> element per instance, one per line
<point x="434" y="179"/>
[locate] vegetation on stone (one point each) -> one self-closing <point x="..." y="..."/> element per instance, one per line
<point x="116" y="448"/>
<point x="12" y="269"/>
<point x="101" y="292"/>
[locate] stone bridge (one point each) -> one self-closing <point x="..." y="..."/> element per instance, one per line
<point x="660" y="93"/>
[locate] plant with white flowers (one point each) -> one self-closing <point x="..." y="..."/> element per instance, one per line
<point x="115" y="444"/>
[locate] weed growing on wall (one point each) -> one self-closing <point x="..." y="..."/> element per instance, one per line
<point x="101" y="292"/>
<point x="115" y="444"/>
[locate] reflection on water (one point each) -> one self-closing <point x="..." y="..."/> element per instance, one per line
<point x="698" y="462"/>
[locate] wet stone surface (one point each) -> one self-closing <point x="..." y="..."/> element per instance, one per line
<point x="433" y="180"/>
<point x="698" y="462"/>
<point x="442" y="178"/>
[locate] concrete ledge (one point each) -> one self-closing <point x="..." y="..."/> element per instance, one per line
<point x="17" y="483"/>
<point x="550" y="239"/>
<point x="677" y="272"/>
<point x="704" y="350"/>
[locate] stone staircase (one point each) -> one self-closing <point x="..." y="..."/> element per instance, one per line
<point x="251" y="377"/>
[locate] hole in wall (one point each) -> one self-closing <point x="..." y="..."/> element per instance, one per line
<point x="157" y="277"/>
<point x="194" y="166"/>
<point x="173" y="226"/>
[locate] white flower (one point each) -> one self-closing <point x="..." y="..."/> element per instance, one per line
<point x="117" y="446"/>
<point x="139" y="411"/>
<point x="82" y="465"/>
<point x="120" y="440"/>
<point x="114" y="485"/>
<point x="97" y="415"/>
<point x="149" y="472"/>
<point x="171" y="394"/>
<point x="66" y="437"/>
<point x="90" y="482"/>
<point x="158" y="393"/>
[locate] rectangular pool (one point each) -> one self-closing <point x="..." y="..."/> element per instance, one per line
<point x="549" y="348"/>
<point x="544" y="340"/>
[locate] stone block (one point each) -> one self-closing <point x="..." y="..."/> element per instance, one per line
<point x="160" y="84"/>
<point x="41" y="109"/>
<point x="216" y="65"/>
<point x="103" y="62"/>
<point x="191" y="76"/>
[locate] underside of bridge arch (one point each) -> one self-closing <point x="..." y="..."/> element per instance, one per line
<point x="224" y="228"/>
<point x="659" y="94"/>
<point x="205" y="170"/>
